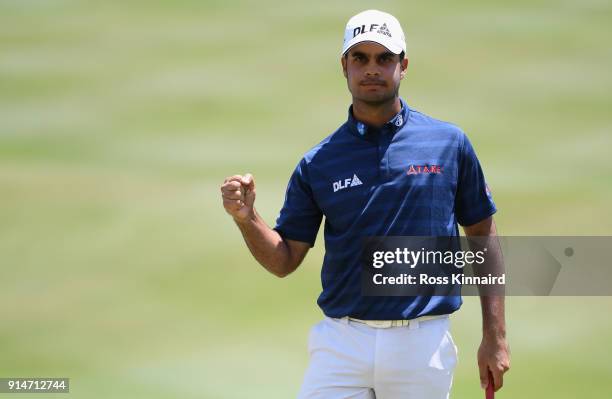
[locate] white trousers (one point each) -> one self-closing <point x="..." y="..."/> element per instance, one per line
<point x="353" y="360"/>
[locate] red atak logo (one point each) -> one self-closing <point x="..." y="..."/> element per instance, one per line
<point x="424" y="169"/>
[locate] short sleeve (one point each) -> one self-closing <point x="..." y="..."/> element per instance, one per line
<point x="473" y="202"/>
<point x="300" y="216"/>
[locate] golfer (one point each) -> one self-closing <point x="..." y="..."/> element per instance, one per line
<point x="389" y="170"/>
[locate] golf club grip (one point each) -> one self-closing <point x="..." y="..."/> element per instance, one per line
<point x="490" y="391"/>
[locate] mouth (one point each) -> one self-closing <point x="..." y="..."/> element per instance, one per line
<point x="373" y="83"/>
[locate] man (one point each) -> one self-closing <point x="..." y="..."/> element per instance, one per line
<point x="368" y="179"/>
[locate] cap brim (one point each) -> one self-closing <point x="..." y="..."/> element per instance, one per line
<point x="373" y="37"/>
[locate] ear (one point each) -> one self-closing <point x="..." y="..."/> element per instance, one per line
<point x="343" y="62"/>
<point x="403" y="67"/>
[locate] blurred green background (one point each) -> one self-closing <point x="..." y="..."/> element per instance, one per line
<point x="120" y="120"/>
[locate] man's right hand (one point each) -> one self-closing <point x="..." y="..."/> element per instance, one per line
<point x="279" y="256"/>
<point x="238" y="194"/>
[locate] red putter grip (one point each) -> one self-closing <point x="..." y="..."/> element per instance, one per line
<point x="490" y="391"/>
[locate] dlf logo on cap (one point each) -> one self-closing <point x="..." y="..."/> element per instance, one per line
<point x="374" y="26"/>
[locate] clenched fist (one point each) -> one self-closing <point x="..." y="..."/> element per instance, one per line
<point x="238" y="194"/>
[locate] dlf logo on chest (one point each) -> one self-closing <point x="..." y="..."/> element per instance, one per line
<point x="342" y="184"/>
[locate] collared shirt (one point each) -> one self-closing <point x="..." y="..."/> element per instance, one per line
<point x="414" y="176"/>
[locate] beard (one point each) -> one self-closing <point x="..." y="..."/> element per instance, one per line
<point x="375" y="98"/>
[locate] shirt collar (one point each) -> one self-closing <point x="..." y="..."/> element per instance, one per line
<point x="398" y="121"/>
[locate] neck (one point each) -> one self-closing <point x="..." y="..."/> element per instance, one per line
<point x="376" y="114"/>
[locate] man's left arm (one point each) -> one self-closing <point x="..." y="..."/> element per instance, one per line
<point x="494" y="353"/>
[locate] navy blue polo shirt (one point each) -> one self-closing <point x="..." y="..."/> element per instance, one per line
<point x="415" y="176"/>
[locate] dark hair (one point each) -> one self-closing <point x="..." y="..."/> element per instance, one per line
<point x="401" y="56"/>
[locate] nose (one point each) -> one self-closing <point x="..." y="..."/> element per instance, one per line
<point x="372" y="71"/>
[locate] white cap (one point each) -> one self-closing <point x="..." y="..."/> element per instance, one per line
<point x="374" y="26"/>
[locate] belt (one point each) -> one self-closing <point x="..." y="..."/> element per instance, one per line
<point x="413" y="323"/>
